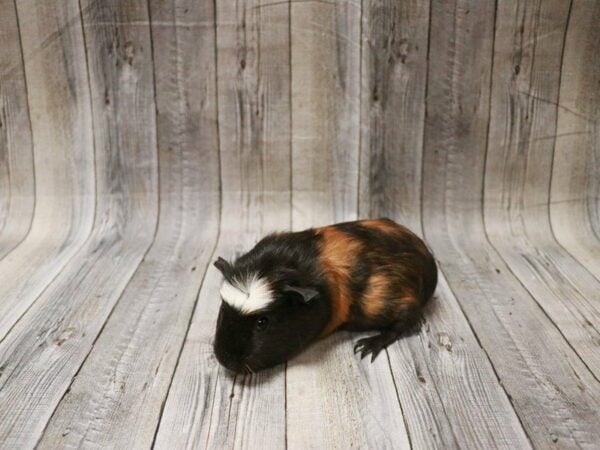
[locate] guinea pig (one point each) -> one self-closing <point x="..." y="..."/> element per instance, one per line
<point x="295" y="287"/>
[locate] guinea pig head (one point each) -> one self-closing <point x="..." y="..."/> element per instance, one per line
<point x="265" y="318"/>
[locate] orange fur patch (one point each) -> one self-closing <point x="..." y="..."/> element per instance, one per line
<point x="408" y="301"/>
<point x="388" y="226"/>
<point x="338" y="255"/>
<point x="375" y="296"/>
<point x="384" y="225"/>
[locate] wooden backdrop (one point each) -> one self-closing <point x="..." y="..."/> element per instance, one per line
<point x="141" y="139"/>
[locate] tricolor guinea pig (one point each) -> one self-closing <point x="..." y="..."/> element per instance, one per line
<point x="295" y="287"/>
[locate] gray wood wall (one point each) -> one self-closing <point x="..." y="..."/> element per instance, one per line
<point x="140" y="139"/>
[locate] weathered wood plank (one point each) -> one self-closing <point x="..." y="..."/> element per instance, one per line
<point x="206" y="406"/>
<point x="554" y="394"/>
<point x="527" y="62"/>
<point x="254" y="112"/>
<point x="343" y="401"/>
<point x="449" y="393"/>
<point x="325" y="43"/>
<point x="447" y="387"/>
<point x="509" y="347"/>
<point x="59" y="101"/>
<point x="47" y="346"/>
<point x="16" y="146"/>
<point x="335" y="400"/>
<point x="575" y="195"/>
<point x="393" y="78"/>
<point x="117" y="396"/>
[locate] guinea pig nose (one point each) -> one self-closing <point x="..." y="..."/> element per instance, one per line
<point x="229" y="360"/>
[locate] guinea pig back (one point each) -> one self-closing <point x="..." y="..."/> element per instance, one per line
<point x="295" y="287"/>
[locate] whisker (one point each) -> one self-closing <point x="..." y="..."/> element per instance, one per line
<point x="249" y="369"/>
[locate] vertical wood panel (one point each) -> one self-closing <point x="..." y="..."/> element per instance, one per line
<point x="116" y="398"/>
<point x="446" y="385"/>
<point x="16" y="146"/>
<point x="527" y="71"/>
<point x="254" y="119"/>
<point x="575" y="196"/>
<point x="325" y="42"/>
<point x="343" y="401"/>
<point x="254" y="102"/>
<point x="210" y="128"/>
<point x="59" y="101"/>
<point x="528" y="353"/>
<point x="393" y="77"/>
<point x="220" y="410"/>
<point x="46" y="348"/>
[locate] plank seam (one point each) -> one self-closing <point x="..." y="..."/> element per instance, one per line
<point x="291" y="201"/>
<point x="291" y="119"/>
<point x="406" y="427"/>
<point x="360" y="111"/>
<point x="285" y="405"/>
<point x="425" y="94"/>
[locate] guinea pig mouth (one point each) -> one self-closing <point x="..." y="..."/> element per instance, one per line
<point x="234" y="364"/>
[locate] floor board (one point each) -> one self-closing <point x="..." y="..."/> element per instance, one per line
<point x="142" y="139"/>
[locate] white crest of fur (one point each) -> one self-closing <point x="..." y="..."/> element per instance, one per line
<point x="248" y="295"/>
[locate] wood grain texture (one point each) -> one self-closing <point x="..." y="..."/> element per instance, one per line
<point x="47" y="346"/>
<point x="524" y="103"/>
<point x="393" y="78"/>
<point x="575" y="194"/>
<point x="528" y="353"/>
<point x="125" y="379"/>
<point x="59" y="102"/>
<point x="140" y="139"/>
<point x="325" y="46"/>
<point x="220" y="410"/>
<point x="343" y="401"/>
<point x="254" y="112"/>
<point x="17" y="178"/>
<point x="446" y="386"/>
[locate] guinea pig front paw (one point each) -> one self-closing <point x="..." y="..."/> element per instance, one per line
<point x="375" y="344"/>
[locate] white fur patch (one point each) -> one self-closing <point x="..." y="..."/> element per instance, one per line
<point x="249" y="295"/>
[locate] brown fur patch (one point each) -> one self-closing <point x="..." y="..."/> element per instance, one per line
<point x="384" y="225"/>
<point x="376" y="295"/>
<point x="338" y="253"/>
<point x="388" y="226"/>
<point x="408" y="301"/>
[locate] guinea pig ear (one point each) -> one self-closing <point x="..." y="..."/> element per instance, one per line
<point x="306" y="293"/>
<point x="224" y="267"/>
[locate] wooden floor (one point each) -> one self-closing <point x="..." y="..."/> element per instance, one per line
<point x="141" y="140"/>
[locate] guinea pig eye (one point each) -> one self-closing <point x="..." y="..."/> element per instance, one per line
<point x="262" y="323"/>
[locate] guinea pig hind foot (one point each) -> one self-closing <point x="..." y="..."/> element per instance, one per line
<point x="375" y="344"/>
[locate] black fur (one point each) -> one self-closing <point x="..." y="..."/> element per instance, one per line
<point x="302" y="302"/>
